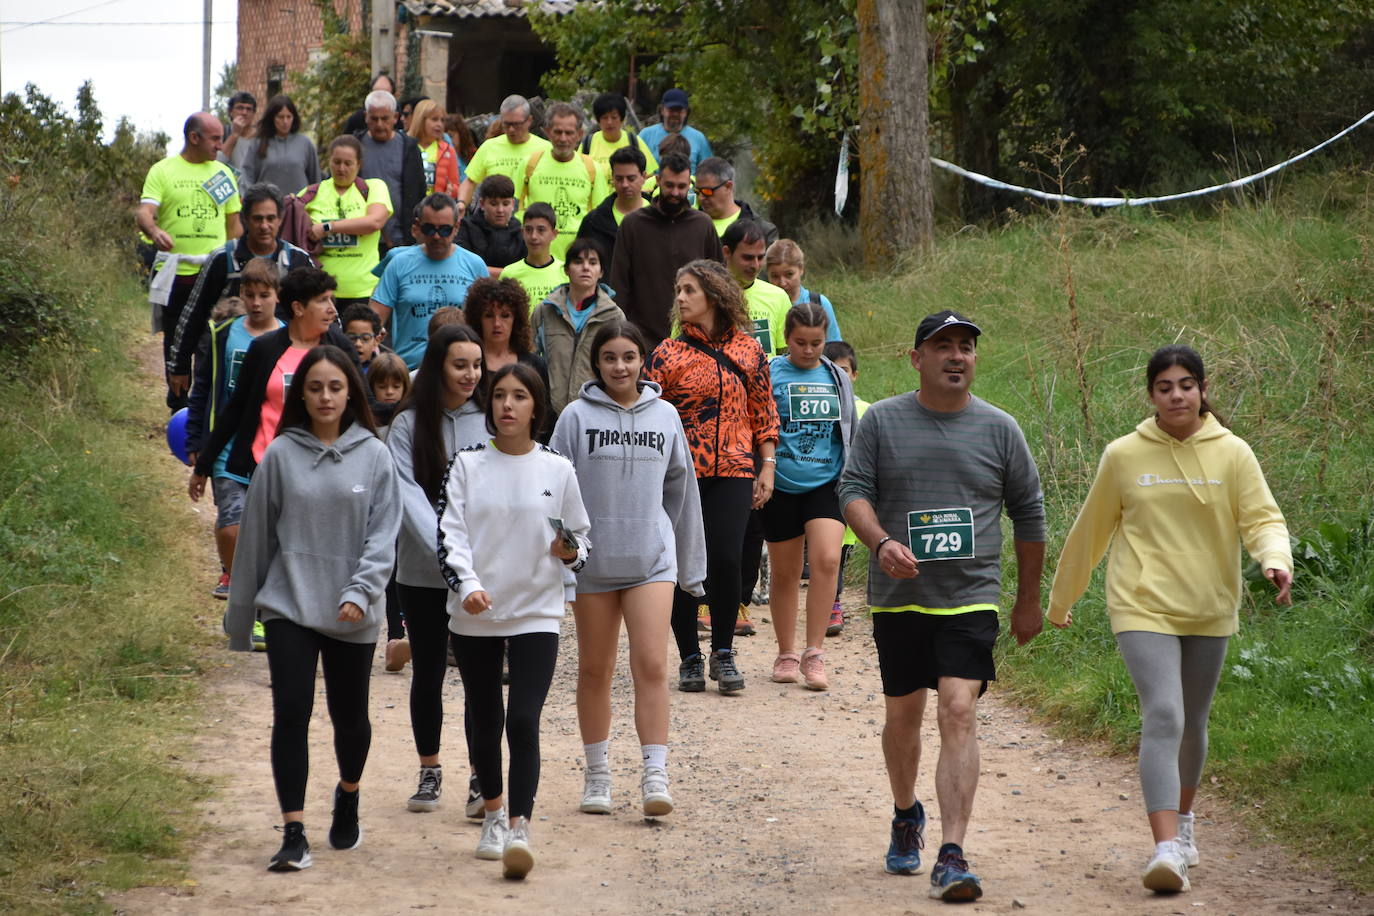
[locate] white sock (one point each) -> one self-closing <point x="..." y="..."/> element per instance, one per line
<point x="655" y="755"/>
<point x="497" y="815"/>
<point x="598" y="756"/>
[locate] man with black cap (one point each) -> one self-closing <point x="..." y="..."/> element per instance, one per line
<point x="924" y="487"/>
<point x="673" y="112"/>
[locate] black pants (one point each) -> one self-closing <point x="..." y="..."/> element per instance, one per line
<point x="845" y="553"/>
<point x="395" y="619"/>
<point x="725" y="510"/>
<point x="293" y="652"/>
<point x="532" y="660"/>
<point x="182" y="287"/>
<point x="426" y="613"/>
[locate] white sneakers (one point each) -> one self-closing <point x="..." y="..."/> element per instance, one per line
<point x="654" y="785"/>
<point x="1167" y="871"/>
<point x="517" y="859"/>
<point x="495" y="830"/>
<point x="1185" y="840"/>
<point x="596" y="792"/>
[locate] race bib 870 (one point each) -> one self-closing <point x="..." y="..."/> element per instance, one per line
<point x="809" y="402"/>
<point x="940" y="534"/>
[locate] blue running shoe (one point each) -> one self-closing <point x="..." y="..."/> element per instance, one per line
<point x="904" y="851"/>
<point x="950" y="879"/>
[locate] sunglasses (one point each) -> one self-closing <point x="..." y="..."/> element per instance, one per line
<point x="710" y="192"/>
<point x="430" y="229"/>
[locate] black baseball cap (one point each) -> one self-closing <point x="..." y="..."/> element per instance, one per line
<point x="933" y="324"/>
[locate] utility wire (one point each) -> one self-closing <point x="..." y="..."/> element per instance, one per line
<point x="18" y="26"/>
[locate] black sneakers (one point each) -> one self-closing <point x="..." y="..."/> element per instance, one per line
<point x="724" y="672"/>
<point x="691" y="674"/>
<point x="344" y="832"/>
<point x="295" y="851"/>
<point x="426" y="797"/>
<point x="474" y="807"/>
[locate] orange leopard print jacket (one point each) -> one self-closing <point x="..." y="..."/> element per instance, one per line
<point x="724" y="419"/>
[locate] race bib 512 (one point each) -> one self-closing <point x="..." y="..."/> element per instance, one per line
<point x="220" y="187"/>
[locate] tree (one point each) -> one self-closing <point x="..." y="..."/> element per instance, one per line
<point x="895" y="203"/>
<point x="332" y="88"/>
<point x="228" y="84"/>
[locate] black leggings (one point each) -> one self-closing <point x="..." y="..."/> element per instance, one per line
<point x="751" y="557"/>
<point x="845" y="553"/>
<point x="395" y="620"/>
<point x="426" y="612"/>
<point x="293" y="651"/>
<point x="532" y="659"/>
<point x="724" y="514"/>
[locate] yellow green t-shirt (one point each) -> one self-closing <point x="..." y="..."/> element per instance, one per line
<point x="620" y="217"/>
<point x="349" y="259"/>
<point x="860" y="408"/>
<point x="571" y="188"/>
<point x="429" y="158"/>
<point x="723" y="224"/>
<point x="538" y="281"/>
<point x="192" y="198"/>
<point x="498" y="156"/>
<point x="600" y="150"/>
<point x="768" y="306"/>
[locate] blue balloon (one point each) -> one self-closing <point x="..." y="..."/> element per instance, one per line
<point x="176" y="436"/>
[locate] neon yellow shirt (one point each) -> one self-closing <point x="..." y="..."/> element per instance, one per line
<point x="723" y="224"/>
<point x="192" y="201"/>
<point x="571" y="189"/>
<point x="538" y="281"/>
<point x="498" y="156"/>
<point x="768" y="305"/>
<point x="620" y="217"/>
<point x="429" y="158"/>
<point x="860" y="408"/>
<point x="349" y="259"/>
<point x="600" y="150"/>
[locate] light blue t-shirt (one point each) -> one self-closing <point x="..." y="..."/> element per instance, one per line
<point x="810" y="453"/>
<point x="415" y="287"/>
<point x="701" y="147"/>
<point x="833" y="331"/>
<point x="235" y="348"/>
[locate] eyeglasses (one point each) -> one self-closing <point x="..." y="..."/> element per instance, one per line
<point x="512" y="125"/>
<point x="363" y="338"/>
<point x="710" y="192"/>
<point x="430" y="229"/>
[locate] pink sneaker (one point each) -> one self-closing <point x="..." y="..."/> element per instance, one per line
<point x="813" y="670"/>
<point x="787" y="668"/>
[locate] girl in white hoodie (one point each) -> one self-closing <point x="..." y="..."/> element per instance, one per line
<point x="638" y="483"/>
<point x="504" y="562"/>
<point x="317" y="587"/>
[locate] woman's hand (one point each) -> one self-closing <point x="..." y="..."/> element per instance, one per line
<point x="1283" y="581"/>
<point x="763" y="485"/>
<point x="316" y="231"/>
<point x="195" y="487"/>
<point x="560" y="550"/>
<point x="350" y="612"/>
<point x="477" y="602"/>
<point x="1068" y="620"/>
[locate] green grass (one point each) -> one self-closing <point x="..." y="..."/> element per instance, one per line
<point x="99" y="650"/>
<point x="1276" y="295"/>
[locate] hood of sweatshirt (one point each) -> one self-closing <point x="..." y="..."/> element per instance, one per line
<point x="1187" y="454"/>
<point x="348" y="440"/>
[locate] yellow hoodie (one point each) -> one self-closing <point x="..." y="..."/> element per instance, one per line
<point x="1174" y="510"/>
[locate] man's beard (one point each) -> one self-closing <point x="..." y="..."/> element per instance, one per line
<point x="672" y="206"/>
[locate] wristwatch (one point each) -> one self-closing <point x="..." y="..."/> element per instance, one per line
<point x="325" y="224"/>
<point x="881" y="541"/>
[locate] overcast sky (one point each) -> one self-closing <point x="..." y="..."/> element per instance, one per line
<point x="143" y="56"/>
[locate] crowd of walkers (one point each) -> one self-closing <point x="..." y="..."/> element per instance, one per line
<point x="456" y="390"/>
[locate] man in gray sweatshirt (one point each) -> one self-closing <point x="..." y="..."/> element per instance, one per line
<point x="924" y="487"/>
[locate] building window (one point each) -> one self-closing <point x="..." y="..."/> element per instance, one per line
<point x="276" y="76"/>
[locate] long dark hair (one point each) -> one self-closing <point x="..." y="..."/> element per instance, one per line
<point x="428" y="457"/>
<point x="609" y="332"/>
<point x="267" y="128"/>
<point x="293" y="412"/>
<point x="533" y="384"/>
<point x="1188" y="358"/>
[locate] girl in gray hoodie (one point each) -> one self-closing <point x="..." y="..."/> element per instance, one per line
<point x="442" y="415"/>
<point x="317" y="587"/>
<point x="639" y="487"/>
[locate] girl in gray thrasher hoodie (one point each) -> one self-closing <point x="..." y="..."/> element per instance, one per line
<point x="640" y="491"/>
<point x="315" y="550"/>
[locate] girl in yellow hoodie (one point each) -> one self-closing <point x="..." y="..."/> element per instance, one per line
<point x="1171" y="498"/>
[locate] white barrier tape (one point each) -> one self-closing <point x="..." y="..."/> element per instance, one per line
<point x="1141" y="201"/>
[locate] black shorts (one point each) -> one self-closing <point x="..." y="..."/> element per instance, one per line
<point x="785" y="515"/>
<point x="915" y="650"/>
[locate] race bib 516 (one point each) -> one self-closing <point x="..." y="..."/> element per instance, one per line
<point x="940" y="534"/>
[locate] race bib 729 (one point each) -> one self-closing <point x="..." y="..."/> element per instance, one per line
<point x="940" y="534"/>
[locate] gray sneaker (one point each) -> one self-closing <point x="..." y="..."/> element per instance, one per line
<point x="426" y="797"/>
<point x="724" y="673"/>
<point x="657" y="801"/>
<point x="517" y="859"/>
<point x="495" y="829"/>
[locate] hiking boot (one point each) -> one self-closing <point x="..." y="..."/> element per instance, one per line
<point x="473" y="807"/>
<point x="1185" y="840"/>
<point x="492" y="843"/>
<point x="397" y="654"/>
<point x="904" y="849"/>
<point x="813" y="670"/>
<point x="1167" y="871"/>
<point x="516" y="858"/>
<point x="723" y="671"/>
<point x="836" y="624"/>
<point x="691" y="676"/>
<point x="950" y="879"/>
<point x="295" y="850"/>
<point x="221" y="589"/>
<point x="743" y="625"/>
<point x="344" y="832"/>
<point x="787" y="668"/>
<point x="596" y="792"/>
<point x="654" y="786"/>
<point x="426" y="797"/>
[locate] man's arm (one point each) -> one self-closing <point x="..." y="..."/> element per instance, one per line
<point x="1027" y="616"/>
<point x="232" y="227"/>
<point x="146" y="217"/>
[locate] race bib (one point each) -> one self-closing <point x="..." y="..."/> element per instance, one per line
<point x="220" y="187"/>
<point x="940" y="534"/>
<point x="339" y="240"/>
<point x="763" y="335"/>
<point x="808" y="402"/>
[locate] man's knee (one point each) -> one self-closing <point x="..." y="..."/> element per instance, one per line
<point x="958" y="706"/>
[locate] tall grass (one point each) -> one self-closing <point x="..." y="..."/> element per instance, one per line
<point x="1276" y="295"/>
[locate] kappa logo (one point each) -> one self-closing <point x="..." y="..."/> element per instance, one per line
<point x="547" y="493"/>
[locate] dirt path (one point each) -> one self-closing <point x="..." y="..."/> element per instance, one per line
<point x="782" y="804"/>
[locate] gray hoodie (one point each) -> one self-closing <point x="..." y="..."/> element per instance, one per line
<point x="319" y="529"/>
<point x="639" y="488"/>
<point x="415" y="564"/>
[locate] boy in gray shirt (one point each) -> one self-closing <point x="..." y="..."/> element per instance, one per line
<point x="924" y="486"/>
